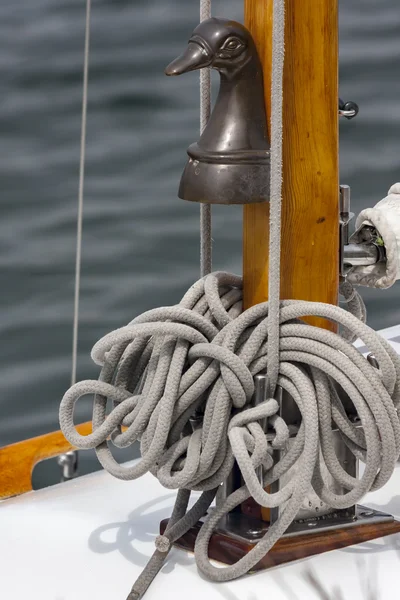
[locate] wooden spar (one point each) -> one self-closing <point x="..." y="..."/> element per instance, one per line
<point x="310" y="209"/>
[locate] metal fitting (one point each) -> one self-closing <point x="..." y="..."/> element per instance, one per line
<point x="349" y="110"/>
<point x="69" y="465"/>
<point x="354" y="251"/>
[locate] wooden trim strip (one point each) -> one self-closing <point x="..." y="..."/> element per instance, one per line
<point x="18" y="460"/>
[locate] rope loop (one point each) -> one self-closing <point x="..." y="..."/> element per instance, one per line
<point x="236" y="376"/>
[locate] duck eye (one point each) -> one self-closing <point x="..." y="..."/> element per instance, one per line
<point x="232" y="44"/>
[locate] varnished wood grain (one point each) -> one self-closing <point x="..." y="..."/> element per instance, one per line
<point x="310" y="235"/>
<point x="18" y="460"/>
<point x="228" y="550"/>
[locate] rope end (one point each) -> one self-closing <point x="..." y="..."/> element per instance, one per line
<point x="162" y="543"/>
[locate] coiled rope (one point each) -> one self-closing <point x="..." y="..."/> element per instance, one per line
<point x="202" y="355"/>
<point x="180" y="380"/>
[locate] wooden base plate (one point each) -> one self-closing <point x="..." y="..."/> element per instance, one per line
<point x="229" y="549"/>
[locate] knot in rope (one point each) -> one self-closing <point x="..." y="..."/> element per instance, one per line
<point x="162" y="543"/>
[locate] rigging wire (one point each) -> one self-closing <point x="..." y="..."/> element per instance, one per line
<point x="69" y="461"/>
<point x="75" y="329"/>
<point x="205" y="111"/>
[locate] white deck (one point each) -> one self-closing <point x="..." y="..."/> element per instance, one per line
<point x="88" y="539"/>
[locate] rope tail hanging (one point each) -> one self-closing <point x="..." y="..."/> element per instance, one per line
<point x="274" y="275"/>
<point x="199" y="358"/>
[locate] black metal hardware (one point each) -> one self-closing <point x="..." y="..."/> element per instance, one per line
<point x="230" y="164"/>
<point x="349" y="110"/>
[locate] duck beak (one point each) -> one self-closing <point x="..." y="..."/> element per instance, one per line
<point x="194" y="57"/>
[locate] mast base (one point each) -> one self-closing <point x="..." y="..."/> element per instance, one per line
<point x="238" y="534"/>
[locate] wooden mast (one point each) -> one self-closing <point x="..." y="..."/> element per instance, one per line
<point x="310" y="211"/>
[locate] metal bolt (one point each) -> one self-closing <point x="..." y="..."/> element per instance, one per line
<point x="367" y="513"/>
<point x="69" y="464"/>
<point x="372" y="360"/>
<point x="254" y="532"/>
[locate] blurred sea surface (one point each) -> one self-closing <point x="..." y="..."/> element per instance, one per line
<point x="140" y="242"/>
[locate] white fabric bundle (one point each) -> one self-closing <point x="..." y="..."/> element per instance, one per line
<point x="385" y="217"/>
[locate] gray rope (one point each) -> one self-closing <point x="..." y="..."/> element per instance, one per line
<point x="205" y="111"/>
<point x="200" y="357"/>
<point x="355" y="305"/>
<point x="181" y="379"/>
<point x="274" y="275"/>
<point x="179" y="523"/>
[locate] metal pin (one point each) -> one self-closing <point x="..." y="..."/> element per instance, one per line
<point x="69" y="465"/>
<point x="372" y="360"/>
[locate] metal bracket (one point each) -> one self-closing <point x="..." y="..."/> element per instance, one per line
<point x="355" y="250"/>
<point x="349" y="110"/>
<point x="345" y="217"/>
<point x="251" y="530"/>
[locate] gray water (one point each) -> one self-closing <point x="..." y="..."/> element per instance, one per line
<point x="140" y="243"/>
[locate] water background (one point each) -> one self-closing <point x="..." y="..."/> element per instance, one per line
<point x="140" y="243"/>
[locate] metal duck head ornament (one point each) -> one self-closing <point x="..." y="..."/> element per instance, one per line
<point x="230" y="164"/>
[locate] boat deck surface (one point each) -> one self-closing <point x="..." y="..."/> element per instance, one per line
<point x="88" y="539"/>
